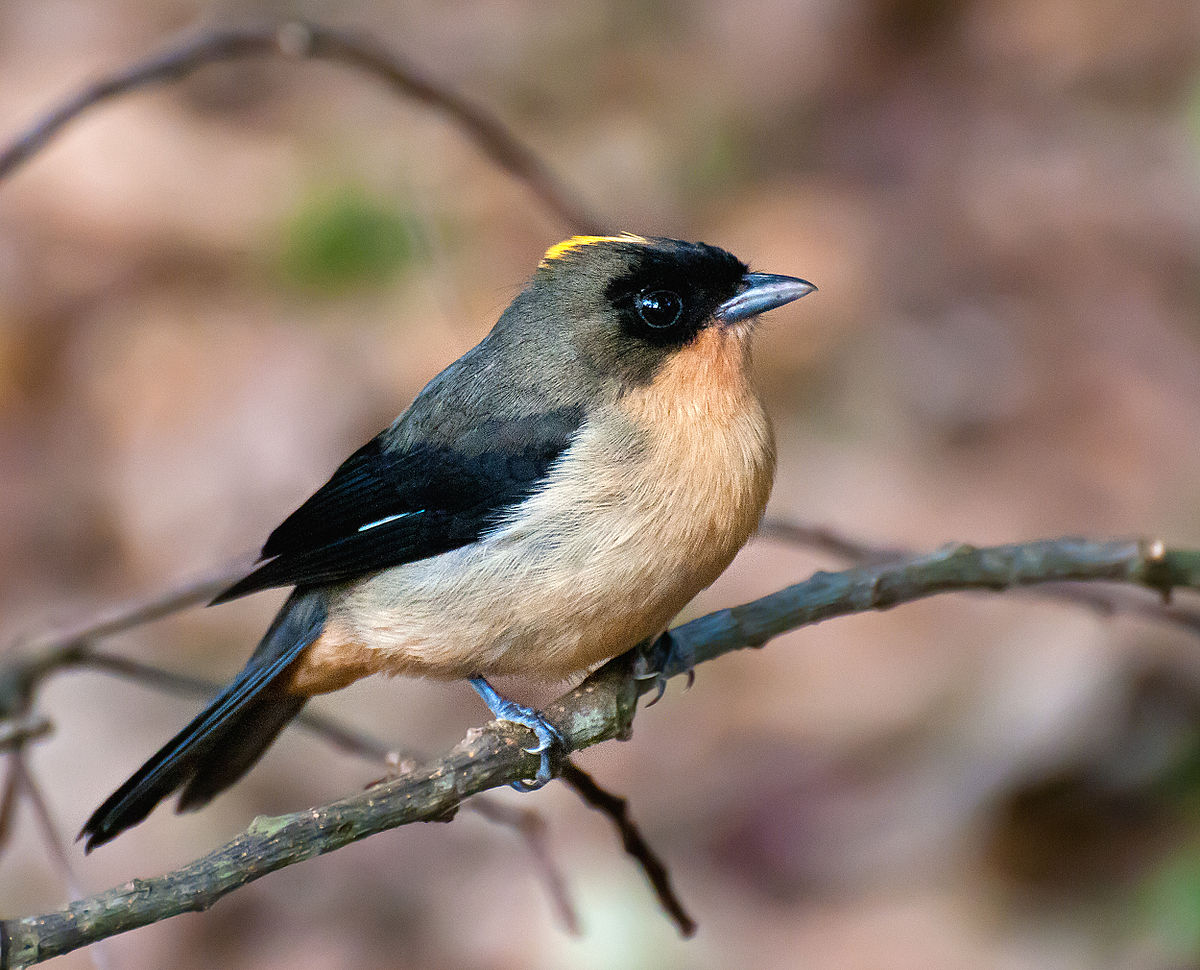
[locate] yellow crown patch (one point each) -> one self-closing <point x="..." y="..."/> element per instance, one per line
<point x="559" y="250"/>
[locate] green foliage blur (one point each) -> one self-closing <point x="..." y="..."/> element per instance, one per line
<point x="342" y="239"/>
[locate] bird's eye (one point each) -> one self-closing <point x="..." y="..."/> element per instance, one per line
<point x="658" y="308"/>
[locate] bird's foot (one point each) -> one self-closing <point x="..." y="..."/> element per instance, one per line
<point x="550" y="741"/>
<point x="661" y="659"/>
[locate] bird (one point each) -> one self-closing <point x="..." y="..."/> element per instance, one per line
<point x="550" y="500"/>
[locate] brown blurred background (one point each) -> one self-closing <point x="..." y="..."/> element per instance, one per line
<point x="212" y="291"/>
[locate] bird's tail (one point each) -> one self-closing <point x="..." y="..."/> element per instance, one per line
<point x="227" y="737"/>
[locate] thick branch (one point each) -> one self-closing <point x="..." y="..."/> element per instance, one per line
<point x="600" y="708"/>
<point x="299" y="40"/>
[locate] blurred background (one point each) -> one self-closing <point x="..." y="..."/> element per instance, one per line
<point x="211" y="292"/>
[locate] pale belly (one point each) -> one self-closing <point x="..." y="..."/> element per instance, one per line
<point x="519" y="609"/>
<point x="638" y="519"/>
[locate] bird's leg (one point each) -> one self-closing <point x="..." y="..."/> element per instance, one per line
<point x="547" y="734"/>
<point x="661" y="658"/>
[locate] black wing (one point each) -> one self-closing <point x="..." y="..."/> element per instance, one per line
<point x="385" y="506"/>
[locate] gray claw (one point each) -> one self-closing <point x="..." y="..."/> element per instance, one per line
<point x="547" y="734"/>
<point x="675" y="659"/>
<point x="660" y="688"/>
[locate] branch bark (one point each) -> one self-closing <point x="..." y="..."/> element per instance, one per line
<point x="599" y="709"/>
<point x="1107" y="602"/>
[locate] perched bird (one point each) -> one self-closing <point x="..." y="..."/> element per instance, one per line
<point x="551" y="499"/>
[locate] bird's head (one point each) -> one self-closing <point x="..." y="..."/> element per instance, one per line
<point x="625" y="305"/>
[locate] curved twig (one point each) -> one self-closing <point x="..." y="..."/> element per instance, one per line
<point x="303" y="41"/>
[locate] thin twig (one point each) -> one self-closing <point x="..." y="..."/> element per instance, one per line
<point x="1123" y="602"/>
<point x="303" y="41"/>
<point x="1107" y="602"/>
<point x="136" y="612"/>
<point x="55" y="844"/>
<point x="8" y="803"/>
<point x="15" y="734"/>
<point x="532" y="828"/>
<point x="339" y="735"/>
<point x="599" y="709"/>
<point x="617" y="810"/>
<point x="67" y="645"/>
<point x="826" y="539"/>
<point x="50" y="833"/>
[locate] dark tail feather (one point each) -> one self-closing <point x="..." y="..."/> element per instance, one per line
<point x="227" y="737"/>
<point x="247" y="737"/>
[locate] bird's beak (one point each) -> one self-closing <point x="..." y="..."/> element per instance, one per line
<point x="759" y="293"/>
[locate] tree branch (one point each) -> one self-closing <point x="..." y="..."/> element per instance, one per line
<point x="526" y="822"/>
<point x="600" y="708"/>
<point x="302" y="41"/>
<point x="1107" y="602"/>
<point x="74" y="652"/>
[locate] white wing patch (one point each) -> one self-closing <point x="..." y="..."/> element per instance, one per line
<point x="388" y="518"/>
